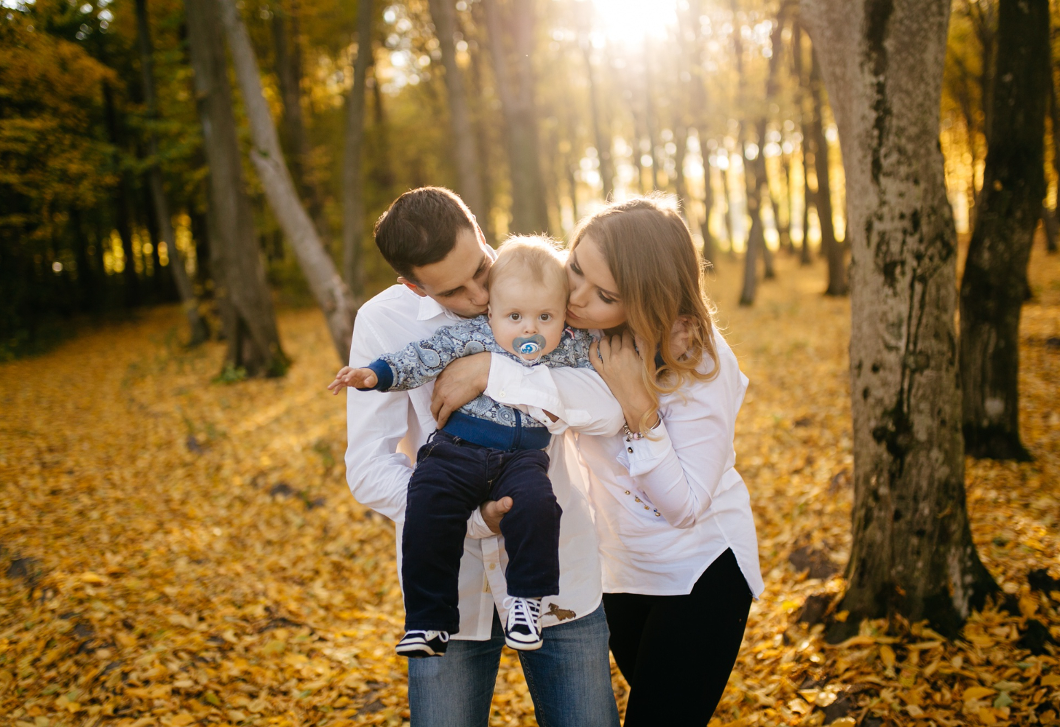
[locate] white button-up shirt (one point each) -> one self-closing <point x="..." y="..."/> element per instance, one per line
<point x="667" y="506"/>
<point x="385" y="430"/>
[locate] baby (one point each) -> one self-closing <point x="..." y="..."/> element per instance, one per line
<point x="485" y="451"/>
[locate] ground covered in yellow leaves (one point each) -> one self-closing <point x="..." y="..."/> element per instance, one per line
<point x="175" y="551"/>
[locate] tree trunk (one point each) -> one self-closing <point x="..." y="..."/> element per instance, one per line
<point x="465" y="150"/>
<point x="196" y="325"/>
<point x="529" y="207"/>
<point x="830" y="247"/>
<point x="239" y="276"/>
<point x="912" y="550"/>
<point x="600" y="133"/>
<point x="123" y="215"/>
<point x="353" y="206"/>
<point x="324" y="280"/>
<point x="807" y="197"/>
<point x="1050" y="228"/>
<point x="994" y="284"/>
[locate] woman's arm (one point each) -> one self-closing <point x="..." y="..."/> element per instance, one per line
<point x="681" y="463"/>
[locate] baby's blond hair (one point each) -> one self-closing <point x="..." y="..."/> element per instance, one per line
<point x="535" y="255"/>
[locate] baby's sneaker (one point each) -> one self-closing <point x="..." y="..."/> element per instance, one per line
<point x="416" y="644"/>
<point x="522" y="631"/>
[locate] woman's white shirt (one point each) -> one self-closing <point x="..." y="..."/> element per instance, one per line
<point x="667" y="506"/>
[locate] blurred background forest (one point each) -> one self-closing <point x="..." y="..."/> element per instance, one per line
<point x="534" y="112"/>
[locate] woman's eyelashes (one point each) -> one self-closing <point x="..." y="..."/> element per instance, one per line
<point x="604" y="298"/>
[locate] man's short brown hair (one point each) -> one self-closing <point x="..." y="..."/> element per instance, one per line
<point x="420" y="228"/>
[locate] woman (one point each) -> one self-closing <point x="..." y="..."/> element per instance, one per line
<point x="674" y="517"/>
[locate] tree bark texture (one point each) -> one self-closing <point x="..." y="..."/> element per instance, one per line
<point x="912" y="550"/>
<point x="324" y="280"/>
<point x="833" y="251"/>
<point x="529" y="208"/>
<point x="465" y="150"/>
<point x="353" y="205"/>
<point x="239" y="276"/>
<point x="198" y="331"/>
<point x="994" y="285"/>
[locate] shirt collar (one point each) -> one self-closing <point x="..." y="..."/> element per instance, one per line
<point x="430" y="308"/>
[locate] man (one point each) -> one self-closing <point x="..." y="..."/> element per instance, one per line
<point x="441" y="257"/>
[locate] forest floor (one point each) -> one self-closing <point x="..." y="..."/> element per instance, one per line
<point x="178" y="551"/>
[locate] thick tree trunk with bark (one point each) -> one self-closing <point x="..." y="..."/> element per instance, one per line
<point x="324" y="280"/>
<point x="912" y="550"/>
<point x="834" y="253"/>
<point x="239" y="276"/>
<point x="994" y="285"/>
<point x="353" y="206"/>
<point x="529" y="208"/>
<point x="196" y="325"/>
<point x="465" y="150"/>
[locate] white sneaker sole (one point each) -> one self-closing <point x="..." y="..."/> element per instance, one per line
<point x="522" y="646"/>
<point x="417" y="649"/>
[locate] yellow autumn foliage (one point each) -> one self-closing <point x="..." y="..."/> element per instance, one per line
<point x="179" y="552"/>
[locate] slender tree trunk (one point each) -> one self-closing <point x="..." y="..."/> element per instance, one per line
<point x="287" y="43"/>
<point x="529" y="207"/>
<point x="600" y="132"/>
<point x="912" y="550"/>
<point x="1050" y="228"/>
<point x="239" y="276"/>
<point x="123" y="214"/>
<point x="324" y="280"/>
<point x="994" y="285"/>
<point x="198" y="332"/>
<point x="465" y="151"/>
<point x="805" y="258"/>
<point x="833" y="251"/>
<point x="353" y="206"/>
<point x="381" y="174"/>
<point x="1054" y="122"/>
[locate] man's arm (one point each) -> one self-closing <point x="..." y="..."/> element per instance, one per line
<point x="378" y="475"/>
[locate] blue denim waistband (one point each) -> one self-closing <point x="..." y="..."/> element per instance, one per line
<point x="497" y="436"/>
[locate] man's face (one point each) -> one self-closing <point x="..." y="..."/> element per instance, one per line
<point x="458" y="281"/>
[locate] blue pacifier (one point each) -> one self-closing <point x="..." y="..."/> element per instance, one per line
<point x="530" y="345"/>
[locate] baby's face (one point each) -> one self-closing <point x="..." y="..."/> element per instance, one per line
<point x="527" y="316"/>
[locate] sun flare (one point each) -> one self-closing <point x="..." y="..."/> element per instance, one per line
<point x="632" y="21"/>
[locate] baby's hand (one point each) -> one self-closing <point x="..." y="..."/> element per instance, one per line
<point x="357" y="378"/>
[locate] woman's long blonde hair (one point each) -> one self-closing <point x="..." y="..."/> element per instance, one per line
<point x="659" y="273"/>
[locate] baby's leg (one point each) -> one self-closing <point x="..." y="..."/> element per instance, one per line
<point x="448" y="483"/>
<point x="531" y="528"/>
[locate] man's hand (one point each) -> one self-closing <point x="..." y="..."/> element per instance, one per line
<point x="493" y="511"/>
<point x="461" y="381"/>
<point x="356" y="378"/>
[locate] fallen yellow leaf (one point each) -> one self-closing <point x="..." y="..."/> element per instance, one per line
<point x="976" y="693"/>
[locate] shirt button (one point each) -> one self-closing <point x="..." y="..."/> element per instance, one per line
<point x="627" y="492"/>
<point x="629" y="449"/>
<point x="493" y="566"/>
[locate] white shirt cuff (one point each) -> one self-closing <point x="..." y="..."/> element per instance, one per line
<point x="641" y="456"/>
<point x="477" y="529"/>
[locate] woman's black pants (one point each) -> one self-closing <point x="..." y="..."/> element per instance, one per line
<point x="677" y="652"/>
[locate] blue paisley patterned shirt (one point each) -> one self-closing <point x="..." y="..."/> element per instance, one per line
<point x="423" y="361"/>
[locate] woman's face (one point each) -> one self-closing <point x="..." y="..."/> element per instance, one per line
<point x="594" y="301"/>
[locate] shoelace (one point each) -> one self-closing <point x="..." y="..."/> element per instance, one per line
<point x="526" y="612"/>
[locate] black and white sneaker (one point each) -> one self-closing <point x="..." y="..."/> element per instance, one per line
<point x="417" y="644"/>
<point x="522" y="632"/>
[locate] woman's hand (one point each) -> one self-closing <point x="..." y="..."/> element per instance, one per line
<point x="356" y="378"/>
<point x="461" y="381"/>
<point x="621" y="367"/>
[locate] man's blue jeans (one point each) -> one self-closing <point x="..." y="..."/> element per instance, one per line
<point x="569" y="679"/>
